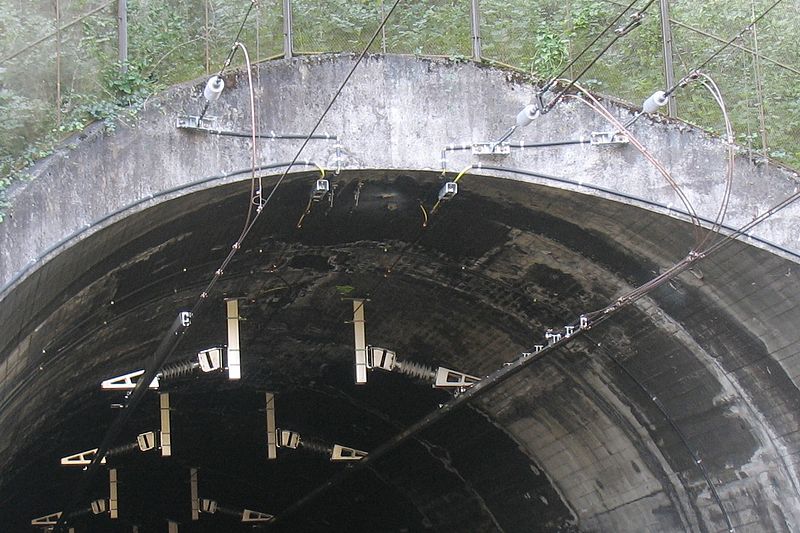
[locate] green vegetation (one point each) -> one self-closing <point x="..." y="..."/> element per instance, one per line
<point x="52" y="89"/>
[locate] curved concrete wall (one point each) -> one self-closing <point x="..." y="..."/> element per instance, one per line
<point x="396" y="113"/>
<point x="718" y="349"/>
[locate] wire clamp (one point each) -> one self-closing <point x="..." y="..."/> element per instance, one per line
<point x="635" y="21"/>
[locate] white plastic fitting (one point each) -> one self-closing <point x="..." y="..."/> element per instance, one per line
<point x="526" y="116"/>
<point x="214" y="88"/>
<point x="656" y="100"/>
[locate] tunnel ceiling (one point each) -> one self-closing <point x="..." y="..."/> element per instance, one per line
<point x="673" y="406"/>
<point x="470" y="292"/>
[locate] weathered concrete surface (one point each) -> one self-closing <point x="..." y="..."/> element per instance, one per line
<point x="396" y="113"/>
<point x="593" y="438"/>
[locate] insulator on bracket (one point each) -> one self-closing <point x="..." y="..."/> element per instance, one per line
<point x="208" y="506"/>
<point x="213" y="89"/>
<point x="144" y="442"/>
<point x="99" y="506"/>
<point x="316" y="447"/>
<point x="416" y="370"/>
<point x="527" y="115"/>
<point x="440" y="377"/>
<point x="656" y="100"/>
<point x="178" y="369"/>
<point x="208" y="360"/>
<point x="287" y="439"/>
<point x="211" y="359"/>
<point x="123" y="449"/>
<point x="246" y="515"/>
<point x="292" y="440"/>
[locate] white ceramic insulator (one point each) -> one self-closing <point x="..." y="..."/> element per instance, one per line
<point x="656" y="100"/>
<point x="213" y="88"/>
<point x="526" y="116"/>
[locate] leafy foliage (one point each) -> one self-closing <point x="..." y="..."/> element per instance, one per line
<point x="172" y="41"/>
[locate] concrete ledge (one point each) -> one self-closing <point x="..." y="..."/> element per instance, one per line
<point x="398" y="112"/>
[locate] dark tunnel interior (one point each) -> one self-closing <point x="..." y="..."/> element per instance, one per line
<point x="471" y="290"/>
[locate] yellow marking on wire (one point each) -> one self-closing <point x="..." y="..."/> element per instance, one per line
<point x="307" y="211"/>
<point x="460" y="174"/>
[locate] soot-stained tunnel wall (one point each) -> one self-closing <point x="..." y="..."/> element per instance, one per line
<point x="684" y="398"/>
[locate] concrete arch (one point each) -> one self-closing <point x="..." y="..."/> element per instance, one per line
<point x="118" y="230"/>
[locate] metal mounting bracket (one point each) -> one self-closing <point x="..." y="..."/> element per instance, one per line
<point x="46" y="520"/>
<point x="194" y="122"/>
<point x="446" y="378"/>
<point x="360" y="341"/>
<point x="345" y="453"/>
<point x="234" y="352"/>
<point x="491" y="148"/>
<point x="256" y="516"/>
<point x="81" y="459"/>
<point x="608" y="138"/>
<point x="126" y="381"/>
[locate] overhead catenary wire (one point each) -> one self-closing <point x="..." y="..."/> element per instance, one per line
<point x="283" y="175"/>
<point x="599" y="316"/>
<point x="500" y="375"/>
<point x="232" y="51"/>
<point x="714" y="91"/>
<point x="586" y="48"/>
<point x="164" y="351"/>
<point x="168" y="343"/>
<point x="737" y="46"/>
<point x="267" y="136"/>
<point x="696" y="460"/>
<point x="721" y="49"/>
<point x="57" y="31"/>
<point x="597" y="58"/>
<point x="716" y="94"/>
<point x="254" y="156"/>
<point x="704" y="33"/>
<point x="698" y="250"/>
<point x="592" y="102"/>
<point x="172" y="338"/>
